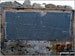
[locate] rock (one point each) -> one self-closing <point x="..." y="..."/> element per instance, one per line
<point x="51" y="6"/>
<point x="67" y="7"/>
<point x="36" y="6"/>
<point x="60" y="7"/>
<point x="7" y="4"/>
<point x="17" y="4"/>
<point x="63" y="7"/>
<point x="43" y="5"/>
<point x="31" y="51"/>
<point x="11" y="4"/>
<point x="27" y="4"/>
<point x="10" y="44"/>
<point x="41" y="49"/>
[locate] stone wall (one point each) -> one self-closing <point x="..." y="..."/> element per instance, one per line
<point x="74" y="29"/>
<point x="0" y="27"/>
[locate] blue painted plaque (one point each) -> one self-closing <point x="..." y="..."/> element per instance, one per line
<point x="36" y="25"/>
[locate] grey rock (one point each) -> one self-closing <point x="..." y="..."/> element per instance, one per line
<point x="63" y="7"/>
<point x="60" y="7"/>
<point x="50" y="6"/>
<point x="17" y="4"/>
<point x="67" y="7"/>
<point x="36" y="6"/>
<point x="11" y="4"/>
<point x="6" y="4"/>
<point x="26" y="4"/>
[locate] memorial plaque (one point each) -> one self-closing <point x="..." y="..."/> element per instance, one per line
<point x="36" y="25"/>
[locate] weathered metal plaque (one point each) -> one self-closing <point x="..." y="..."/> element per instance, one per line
<point x="36" y="25"/>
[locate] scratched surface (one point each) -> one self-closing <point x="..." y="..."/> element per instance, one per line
<point x="37" y="25"/>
